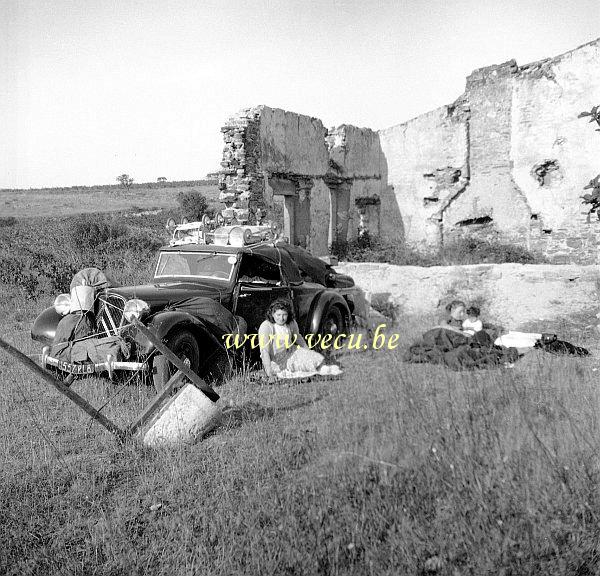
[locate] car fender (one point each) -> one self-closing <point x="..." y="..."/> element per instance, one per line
<point x="320" y="306"/>
<point x="44" y="326"/>
<point x="163" y="323"/>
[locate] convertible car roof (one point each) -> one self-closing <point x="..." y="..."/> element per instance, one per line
<point x="296" y="262"/>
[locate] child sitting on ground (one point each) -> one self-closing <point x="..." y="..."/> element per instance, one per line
<point x="472" y="323"/>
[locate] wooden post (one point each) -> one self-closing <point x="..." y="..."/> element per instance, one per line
<point x="177" y="362"/>
<point x="70" y="394"/>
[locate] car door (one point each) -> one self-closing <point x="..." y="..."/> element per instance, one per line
<point x="259" y="283"/>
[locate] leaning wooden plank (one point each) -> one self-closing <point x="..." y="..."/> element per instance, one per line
<point x="156" y="403"/>
<point x="177" y="362"/>
<point x="70" y="394"/>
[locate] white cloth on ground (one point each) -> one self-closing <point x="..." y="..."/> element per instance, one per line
<point x="518" y="340"/>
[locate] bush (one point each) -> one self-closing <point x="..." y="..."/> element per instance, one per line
<point x="193" y="204"/>
<point x="125" y="252"/>
<point x="367" y="248"/>
<point x="91" y="232"/>
<point x="36" y="271"/>
<point x="6" y="221"/>
<point x="471" y="250"/>
<point x="467" y="250"/>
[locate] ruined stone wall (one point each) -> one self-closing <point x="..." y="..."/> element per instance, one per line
<point x="523" y="156"/>
<point x="263" y="142"/>
<point x="292" y="144"/>
<point x="508" y="160"/>
<point x="427" y="161"/>
<point x="355" y="152"/>
<point x="357" y="170"/>
<point x="271" y="153"/>
<point x="239" y="179"/>
<point x="511" y="295"/>
<point x="554" y="153"/>
<point x="491" y="193"/>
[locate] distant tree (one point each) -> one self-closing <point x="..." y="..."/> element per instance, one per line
<point x="125" y="180"/>
<point x="593" y="198"/>
<point x="161" y="179"/>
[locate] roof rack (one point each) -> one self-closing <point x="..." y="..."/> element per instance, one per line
<point x="209" y="231"/>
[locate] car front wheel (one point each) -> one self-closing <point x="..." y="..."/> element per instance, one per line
<point x="185" y="346"/>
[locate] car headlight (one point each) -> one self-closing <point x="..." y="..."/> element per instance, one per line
<point x="135" y="309"/>
<point x="62" y="304"/>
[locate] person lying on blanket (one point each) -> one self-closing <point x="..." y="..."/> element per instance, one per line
<point x="282" y="347"/>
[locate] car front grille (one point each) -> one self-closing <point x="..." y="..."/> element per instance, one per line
<point x="110" y="314"/>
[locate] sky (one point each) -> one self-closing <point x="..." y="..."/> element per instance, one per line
<point x="95" y="88"/>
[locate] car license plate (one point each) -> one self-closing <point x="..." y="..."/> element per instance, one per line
<point x="77" y="368"/>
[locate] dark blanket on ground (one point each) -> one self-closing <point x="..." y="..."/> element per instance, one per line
<point x="459" y="352"/>
<point x="561" y="347"/>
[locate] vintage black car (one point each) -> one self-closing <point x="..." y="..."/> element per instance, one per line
<point x="199" y="292"/>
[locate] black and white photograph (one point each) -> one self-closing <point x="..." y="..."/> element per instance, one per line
<point x="300" y="287"/>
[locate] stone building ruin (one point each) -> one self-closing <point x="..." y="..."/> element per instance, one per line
<point x="508" y="159"/>
<point x="272" y="153"/>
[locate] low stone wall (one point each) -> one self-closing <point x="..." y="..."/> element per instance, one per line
<point x="510" y="294"/>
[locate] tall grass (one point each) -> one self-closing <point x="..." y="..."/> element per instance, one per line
<point x="394" y="469"/>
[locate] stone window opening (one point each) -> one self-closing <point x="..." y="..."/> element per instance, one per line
<point x="447" y="175"/>
<point x="546" y="172"/>
<point x="442" y="180"/>
<point x="534" y="217"/>
<point x="368" y="208"/>
<point x="479" y="221"/>
<point x="547" y="230"/>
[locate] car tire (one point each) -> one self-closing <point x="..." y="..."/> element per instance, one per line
<point x="333" y="322"/>
<point x="185" y="346"/>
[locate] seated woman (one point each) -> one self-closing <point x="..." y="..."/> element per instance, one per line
<point x="456" y="309"/>
<point x="282" y="347"/>
<point x="458" y="315"/>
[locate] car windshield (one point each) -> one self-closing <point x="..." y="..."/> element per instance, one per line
<point x="195" y="265"/>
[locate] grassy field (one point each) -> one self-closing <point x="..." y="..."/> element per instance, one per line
<point x="55" y="202"/>
<point x="392" y="469"/>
